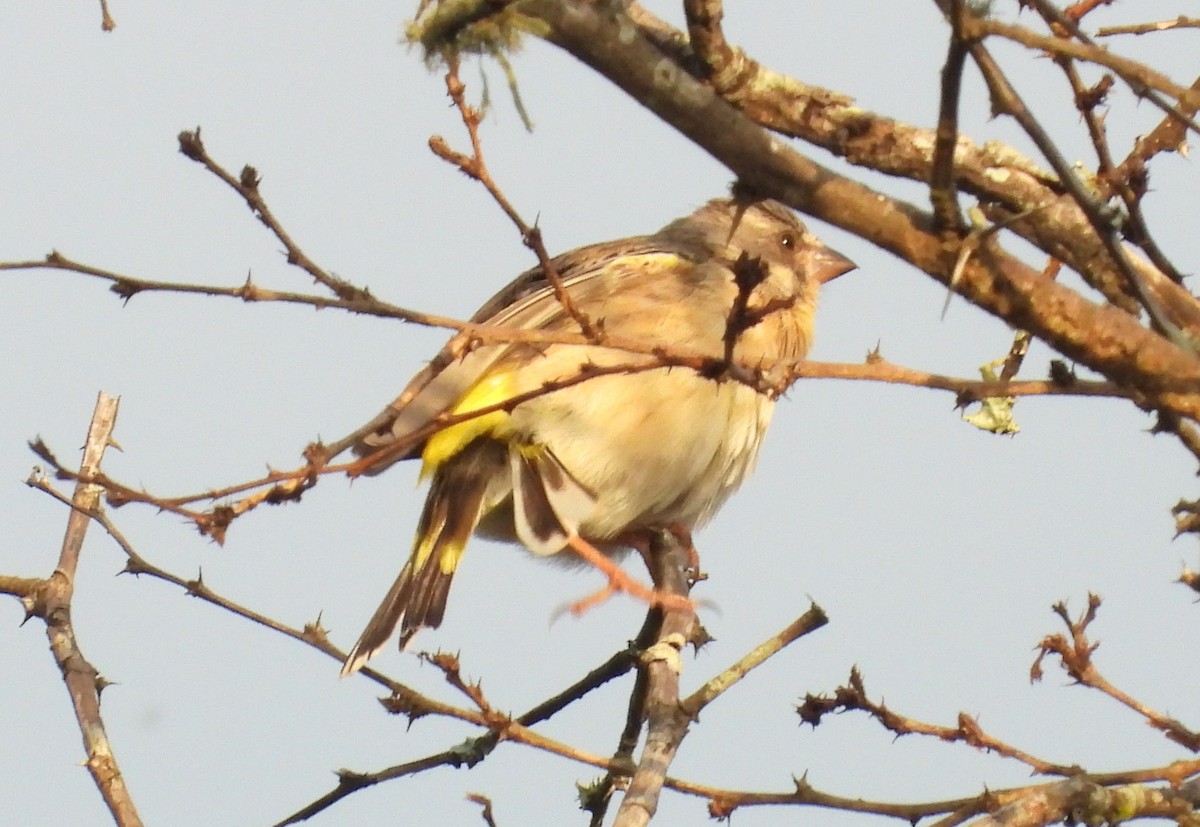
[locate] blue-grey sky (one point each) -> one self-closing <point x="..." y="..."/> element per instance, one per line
<point x="936" y="549"/>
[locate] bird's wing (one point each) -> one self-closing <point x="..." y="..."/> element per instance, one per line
<point x="528" y="302"/>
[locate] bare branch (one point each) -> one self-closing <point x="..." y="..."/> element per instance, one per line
<point x="808" y="622"/>
<point x="853" y="696"/>
<point x="106" y="20"/>
<point x="246" y="185"/>
<point x="1075" y="655"/>
<point x="53" y="604"/>
<point x="1180" y="22"/>
<point x="943" y="194"/>
<point x="474" y="167"/>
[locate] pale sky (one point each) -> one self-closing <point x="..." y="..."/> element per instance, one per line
<point x="935" y="548"/>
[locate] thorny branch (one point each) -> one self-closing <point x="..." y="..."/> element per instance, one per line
<point x="1107" y="181"/>
<point x="1075" y="650"/>
<point x="246" y="185"/>
<point x="1006" y="100"/>
<point x="277" y="487"/>
<point x="943" y="194"/>
<point x="853" y="696"/>
<point x="51" y="600"/>
<point x="473" y="166"/>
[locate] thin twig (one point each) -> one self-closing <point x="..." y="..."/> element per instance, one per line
<point x="277" y="487"/>
<point x="1143" y="80"/>
<point x="475" y="167"/>
<point x="247" y="186"/>
<point x="476" y="749"/>
<point x="403" y="699"/>
<point x="1179" y="22"/>
<point x="1075" y="650"/>
<point x="106" y="20"/>
<point x="1135" y="228"/>
<point x="808" y="622"/>
<point x="1010" y="102"/>
<point x="853" y="696"/>
<point x="943" y="193"/>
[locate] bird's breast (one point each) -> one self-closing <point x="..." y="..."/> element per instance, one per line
<point x="659" y="447"/>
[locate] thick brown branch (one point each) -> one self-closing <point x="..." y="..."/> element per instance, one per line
<point x="1104" y="339"/>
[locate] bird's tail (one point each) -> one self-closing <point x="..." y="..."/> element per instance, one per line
<point x="461" y="493"/>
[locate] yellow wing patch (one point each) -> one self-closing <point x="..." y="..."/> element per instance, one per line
<point x="446" y="443"/>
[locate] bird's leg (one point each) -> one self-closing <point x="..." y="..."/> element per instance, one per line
<point x="619" y="581"/>
<point x="641" y="541"/>
<point x="684" y="535"/>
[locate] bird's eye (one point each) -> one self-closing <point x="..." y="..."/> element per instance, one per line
<point x="787" y="240"/>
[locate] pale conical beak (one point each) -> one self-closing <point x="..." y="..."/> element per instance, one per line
<point x="825" y="265"/>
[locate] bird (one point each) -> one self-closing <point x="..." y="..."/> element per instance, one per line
<point x="580" y="443"/>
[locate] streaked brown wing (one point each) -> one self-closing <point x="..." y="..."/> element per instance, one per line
<point x="527" y="302"/>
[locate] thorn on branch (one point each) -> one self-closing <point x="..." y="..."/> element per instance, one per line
<point x="1075" y="653"/>
<point x="250" y="179"/>
<point x="1062" y="374"/>
<point x="1187" y="517"/>
<point x="720" y="809"/>
<point x="316" y="634"/>
<point x="852" y="695"/>
<point x="406" y="703"/>
<point x="135" y="566"/>
<point x="197" y="588"/>
<point x="486" y="804"/>
<point x="215" y="523"/>
<point x="1190" y="578"/>
<point x="1089" y="98"/>
<point x="191" y="145"/>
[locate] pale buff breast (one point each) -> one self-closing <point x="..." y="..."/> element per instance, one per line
<point x="661" y="447"/>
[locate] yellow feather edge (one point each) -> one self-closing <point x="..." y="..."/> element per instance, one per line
<point x="448" y="442"/>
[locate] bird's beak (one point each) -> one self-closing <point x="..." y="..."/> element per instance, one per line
<point x="825" y="265"/>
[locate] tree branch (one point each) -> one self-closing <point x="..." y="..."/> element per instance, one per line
<point x="52" y="603"/>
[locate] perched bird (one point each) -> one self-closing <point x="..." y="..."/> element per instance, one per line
<point x="634" y="446"/>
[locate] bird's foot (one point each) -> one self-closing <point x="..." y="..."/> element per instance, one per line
<point x="620" y="581"/>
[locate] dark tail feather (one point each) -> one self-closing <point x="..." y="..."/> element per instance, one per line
<point x="419" y="600"/>
<point x="462" y="490"/>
